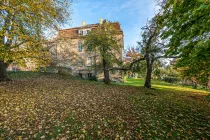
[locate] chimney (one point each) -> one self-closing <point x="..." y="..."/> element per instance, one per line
<point x="83" y="23"/>
<point x="101" y="20"/>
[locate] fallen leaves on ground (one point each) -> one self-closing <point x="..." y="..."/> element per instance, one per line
<point x="53" y="107"/>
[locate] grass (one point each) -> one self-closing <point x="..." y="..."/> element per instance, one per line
<point x="45" y="106"/>
<point x="24" y="74"/>
<point x="162" y="85"/>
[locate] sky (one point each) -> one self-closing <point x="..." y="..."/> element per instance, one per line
<point x="132" y="15"/>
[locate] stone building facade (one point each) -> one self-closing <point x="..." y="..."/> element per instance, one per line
<point x="67" y="50"/>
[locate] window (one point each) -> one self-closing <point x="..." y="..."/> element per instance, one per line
<point x="80" y="32"/>
<point x="89" y="61"/>
<point x="79" y="46"/>
<point x="88" y="31"/>
<point x="88" y="47"/>
<point x="80" y="62"/>
<point x="89" y="75"/>
<point x="83" y="32"/>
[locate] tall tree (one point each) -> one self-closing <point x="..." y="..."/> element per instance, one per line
<point x="104" y="40"/>
<point x="151" y="46"/>
<point x="186" y="24"/>
<point x="23" y="28"/>
<point x="152" y="49"/>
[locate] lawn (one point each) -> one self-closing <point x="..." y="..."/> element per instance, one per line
<point x="40" y="106"/>
<point x="162" y="85"/>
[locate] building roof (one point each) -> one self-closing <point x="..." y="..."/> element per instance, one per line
<point x="73" y="32"/>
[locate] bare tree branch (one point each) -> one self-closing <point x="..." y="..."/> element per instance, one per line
<point x="131" y="65"/>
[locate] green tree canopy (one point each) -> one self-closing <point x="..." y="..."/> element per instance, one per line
<point x="105" y="41"/>
<point x="186" y="27"/>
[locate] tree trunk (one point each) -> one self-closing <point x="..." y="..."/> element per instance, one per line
<point x="194" y="85"/>
<point x="106" y="73"/>
<point x="95" y="66"/>
<point x="147" y="83"/>
<point x="3" y="71"/>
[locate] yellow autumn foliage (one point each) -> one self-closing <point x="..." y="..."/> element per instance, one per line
<point x="24" y="27"/>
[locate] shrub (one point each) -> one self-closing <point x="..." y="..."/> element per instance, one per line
<point x="64" y="71"/>
<point x="93" y="78"/>
<point x="208" y="97"/>
<point x="171" y="79"/>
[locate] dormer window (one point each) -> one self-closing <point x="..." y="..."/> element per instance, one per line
<point x="83" y="32"/>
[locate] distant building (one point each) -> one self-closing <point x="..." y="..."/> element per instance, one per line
<point x="67" y="49"/>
